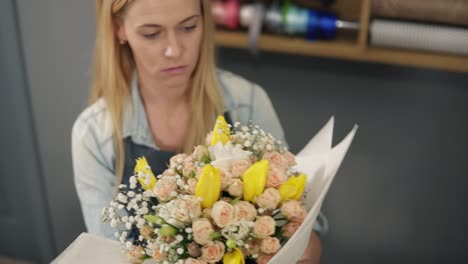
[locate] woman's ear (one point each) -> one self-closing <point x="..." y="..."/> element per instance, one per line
<point x="119" y="30"/>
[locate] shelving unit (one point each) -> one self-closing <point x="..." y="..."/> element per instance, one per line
<point x="348" y="45"/>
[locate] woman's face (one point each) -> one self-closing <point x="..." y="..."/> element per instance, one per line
<point x="165" y="38"/>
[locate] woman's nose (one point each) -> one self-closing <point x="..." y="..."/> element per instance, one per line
<point x="173" y="48"/>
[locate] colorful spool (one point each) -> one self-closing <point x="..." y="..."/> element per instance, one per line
<point x="313" y="24"/>
<point x="247" y="13"/>
<point x="274" y="18"/>
<point x="227" y="13"/>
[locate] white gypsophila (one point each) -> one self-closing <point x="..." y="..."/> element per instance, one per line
<point x="122" y="198"/>
<point x="128" y="225"/>
<point x="128" y="245"/>
<point x="223" y="156"/>
<point x="138" y="197"/>
<point x="166" y="212"/>
<point x="114" y="222"/>
<point x="133" y="180"/>
<point x="141" y="223"/>
<point x="131" y="194"/>
<point x="237" y="231"/>
<point x="120" y="206"/>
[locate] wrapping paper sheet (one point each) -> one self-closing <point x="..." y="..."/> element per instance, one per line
<point x="410" y="35"/>
<point x="453" y="12"/>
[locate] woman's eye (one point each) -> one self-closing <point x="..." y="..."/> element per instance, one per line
<point x="190" y="28"/>
<point x="151" y="35"/>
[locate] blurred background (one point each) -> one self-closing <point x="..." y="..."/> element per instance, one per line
<point x="399" y="196"/>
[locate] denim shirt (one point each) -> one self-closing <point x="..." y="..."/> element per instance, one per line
<point x="93" y="152"/>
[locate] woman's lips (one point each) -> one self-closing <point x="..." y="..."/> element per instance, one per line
<point x="175" y="70"/>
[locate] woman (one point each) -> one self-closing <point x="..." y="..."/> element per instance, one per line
<point x="155" y="92"/>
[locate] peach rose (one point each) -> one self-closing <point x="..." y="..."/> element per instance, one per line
<point x="177" y="160"/>
<point x="187" y="209"/>
<point x="158" y="256"/>
<point x="194" y="249"/>
<point x="146" y="232"/>
<point x="269" y="199"/>
<point x="244" y="211"/>
<point x="290" y="228"/>
<point x="239" y="167"/>
<point x="253" y="248"/>
<point x="169" y="172"/>
<point x="188" y="168"/>
<point x="202" y="229"/>
<point x="212" y="252"/>
<point x="222" y="214"/>
<point x="276" y="159"/>
<point x="199" y="152"/>
<point x="236" y="188"/>
<point x="264" y="226"/>
<point x="270" y="245"/>
<point x="192" y="185"/>
<point x="276" y="177"/>
<point x="290" y="158"/>
<point x="263" y="259"/>
<point x="194" y="261"/>
<point x="164" y="188"/>
<point x="226" y="178"/>
<point x="294" y="211"/>
<point x="135" y="253"/>
<point x="206" y="213"/>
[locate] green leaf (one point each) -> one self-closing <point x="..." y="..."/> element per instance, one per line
<point x="206" y="159"/>
<point x="231" y="243"/>
<point x="168" y="230"/>
<point x="154" y="219"/>
<point x="145" y="257"/>
<point x="233" y="202"/>
<point x="215" y="235"/>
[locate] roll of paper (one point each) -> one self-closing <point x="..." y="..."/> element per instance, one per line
<point x="440" y="11"/>
<point x="411" y="35"/>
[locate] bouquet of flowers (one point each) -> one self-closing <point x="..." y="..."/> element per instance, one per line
<point x="238" y="197"/>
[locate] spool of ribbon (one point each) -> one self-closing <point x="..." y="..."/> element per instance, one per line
<point x="255" y="27"/>
<point x="314" y="24"/>
<point x="274" y="18"/>
<point x="226" y="13"/>
<point x="321" y="25"/>
<point x="246" y="16"/>
<point x="295" y="19"/>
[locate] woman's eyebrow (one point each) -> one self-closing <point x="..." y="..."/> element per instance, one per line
<point x="158" y="26"/>
<point x="188" y="18"/>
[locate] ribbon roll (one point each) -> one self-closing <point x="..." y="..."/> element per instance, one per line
<point x="255" y="28"/>
<point x="295" y="19"/>
<point x="274" y="18"/>
<point x="226" y="14"/>
<point x="247" y="13"/>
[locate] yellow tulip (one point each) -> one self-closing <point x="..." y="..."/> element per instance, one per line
<point x="143" y="167"/>
<point x="209" y="186"/>
<point x="234" y="257"/>
<point x="293" y="188"/>
<point x="255" y="179"/>
<point x="221" y="132"/>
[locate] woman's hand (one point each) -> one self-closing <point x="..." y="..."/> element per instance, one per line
<point x="313" y="252"/>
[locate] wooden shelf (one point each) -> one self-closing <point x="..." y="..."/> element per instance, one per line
<point x="348" y="46"/>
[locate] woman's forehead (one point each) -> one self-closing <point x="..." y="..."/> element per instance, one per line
<point x="161" y="12"/>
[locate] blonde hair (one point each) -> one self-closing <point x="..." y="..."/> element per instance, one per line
<point x="113" y="72"/>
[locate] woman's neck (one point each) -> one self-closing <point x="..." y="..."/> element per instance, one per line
<point x="163" y="97"/>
